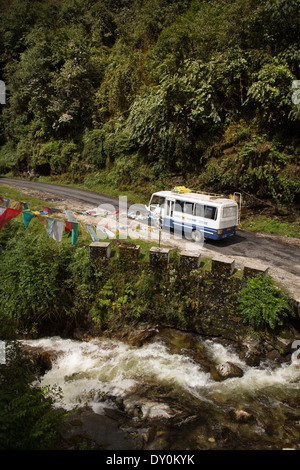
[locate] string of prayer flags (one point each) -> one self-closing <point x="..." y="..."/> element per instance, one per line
<point x="12" y="204"/>
<point x="56" y="227"/>
<point x="10" y="208"/>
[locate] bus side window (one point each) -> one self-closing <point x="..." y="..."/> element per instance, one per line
<point x="188" y="208"/>
<point x="199" y="210"/>
<point x="178" y="206"/>
<point x="210" y="212"/>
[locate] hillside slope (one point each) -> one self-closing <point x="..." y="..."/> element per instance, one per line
<point x="147" y="93"/>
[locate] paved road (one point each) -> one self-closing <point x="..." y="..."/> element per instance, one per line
<point x="82" y="195"/>
<point x="270" y="251"/>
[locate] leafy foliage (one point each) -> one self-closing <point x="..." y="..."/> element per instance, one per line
<point x="262" y="304"/>
<point x="27" y="419"/>
<point x="43" y="283"/>
<point x="161" y="81"/>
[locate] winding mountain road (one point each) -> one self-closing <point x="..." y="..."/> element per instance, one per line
<point x="280" y="254"/>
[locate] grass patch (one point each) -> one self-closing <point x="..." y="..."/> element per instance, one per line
<point x="92" y="184"/>
<point x="206" y="263"/>
<point x="273" y="226"/>
<point x="17" y="195"/>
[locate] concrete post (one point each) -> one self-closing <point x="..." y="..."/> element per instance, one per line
<point x="129" y="252"/>
<point x="159" y="257"/>
<point x="189" y="260"/>
<point x="222" y="267"/>
<point x="99" y="250"/>
<point x="250" y="272"/>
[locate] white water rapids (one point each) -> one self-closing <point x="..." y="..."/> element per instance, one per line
<point x="93" y="372"/>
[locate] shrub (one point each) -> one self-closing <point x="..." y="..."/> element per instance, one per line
<point x="27" y="419"/>
<point x="262" y="304"/>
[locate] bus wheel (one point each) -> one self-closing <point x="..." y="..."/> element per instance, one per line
<point x="197" y="236"/>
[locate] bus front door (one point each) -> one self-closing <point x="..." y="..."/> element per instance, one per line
<point x="168" y="219"/>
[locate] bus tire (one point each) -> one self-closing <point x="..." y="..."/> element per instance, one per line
<point x="197" y="236"/>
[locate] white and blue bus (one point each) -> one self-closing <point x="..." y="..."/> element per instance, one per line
<point x="198" y="215"/>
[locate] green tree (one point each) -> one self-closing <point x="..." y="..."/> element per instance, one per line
<point x="169" y="118"/>
<point x="270" y="93"/>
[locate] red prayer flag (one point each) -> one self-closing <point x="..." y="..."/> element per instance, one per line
<point x="47" y="209"/>
<point x="7" y="215"/>
<point x="68" y="226"/>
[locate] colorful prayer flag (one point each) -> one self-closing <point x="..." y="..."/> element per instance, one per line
<point x="6" y="215"/>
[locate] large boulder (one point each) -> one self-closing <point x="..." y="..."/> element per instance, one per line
<point x="42" y="359"/>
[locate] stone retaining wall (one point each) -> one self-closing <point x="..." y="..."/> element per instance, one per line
<point x="213" y="289"/>
<point x="159" y="258"/>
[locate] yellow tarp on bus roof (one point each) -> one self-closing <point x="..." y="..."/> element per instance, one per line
<point x="182" y="189"/>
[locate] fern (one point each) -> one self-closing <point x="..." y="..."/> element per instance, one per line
<point x="262" y="304"/>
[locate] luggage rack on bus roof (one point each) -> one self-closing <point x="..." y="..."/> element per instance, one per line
<point x="183" y="190"/>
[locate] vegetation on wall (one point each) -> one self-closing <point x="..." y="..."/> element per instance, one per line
<point x="262" y="304"/>
<point x="136" y="92"/>
<point x="51" y="288"/>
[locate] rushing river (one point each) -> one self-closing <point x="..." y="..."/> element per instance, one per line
<point x="157" y="384"/>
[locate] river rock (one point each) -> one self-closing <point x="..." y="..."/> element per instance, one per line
<point x="146" y="409"/>
<point x="252" y="352"/>
<point x="43" y="359"/>
<point x="225" y="371"/>
<point x="242" y="416"/>
<point x="84" y="429"/>
<point x="142" y="337"/>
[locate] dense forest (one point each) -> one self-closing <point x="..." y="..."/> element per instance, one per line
<point x="143" y="93"/>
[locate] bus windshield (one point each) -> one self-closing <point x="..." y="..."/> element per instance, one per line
<point x="156" y="201"/>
